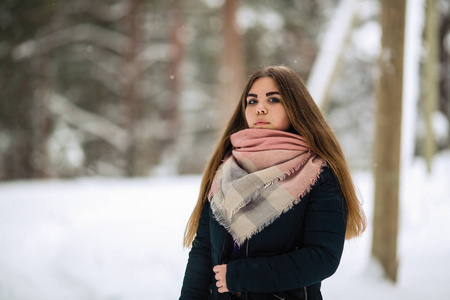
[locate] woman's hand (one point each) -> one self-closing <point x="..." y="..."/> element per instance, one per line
<point x="221" y="277"/>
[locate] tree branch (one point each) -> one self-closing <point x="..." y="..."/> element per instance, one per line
<point x="89" y="122"/>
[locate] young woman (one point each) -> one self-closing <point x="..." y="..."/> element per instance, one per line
<point x="276" y="200"/>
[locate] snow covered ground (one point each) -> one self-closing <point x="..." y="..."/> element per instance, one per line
<point x="121" y="239"/>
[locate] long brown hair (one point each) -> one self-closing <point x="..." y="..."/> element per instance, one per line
<point x="307" y="121"/>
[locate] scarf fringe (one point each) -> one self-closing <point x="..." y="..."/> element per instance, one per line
<point x="313" y="181"/>
<point x="239" y="241"/>
<point x="294" y="201"/>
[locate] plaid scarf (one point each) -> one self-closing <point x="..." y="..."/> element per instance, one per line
<point x="266" y="174"/>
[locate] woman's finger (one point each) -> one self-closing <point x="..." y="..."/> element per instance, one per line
<point x="223" y="289"/>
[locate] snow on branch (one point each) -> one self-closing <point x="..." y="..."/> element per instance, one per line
<point x="110" y="13"/>
<point x="153" y="54"/>
<point x="96" y="35"/>
<point x="89" y="122"/>
<point x="106" y="71"/>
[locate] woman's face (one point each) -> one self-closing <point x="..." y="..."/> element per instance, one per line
<point x="264" y="106"/>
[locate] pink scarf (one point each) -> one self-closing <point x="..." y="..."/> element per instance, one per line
<point x="266" y="175"/>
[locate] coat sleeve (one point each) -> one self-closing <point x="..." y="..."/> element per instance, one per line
<point x="319" y="257"/>
<point x="199" y="274"/>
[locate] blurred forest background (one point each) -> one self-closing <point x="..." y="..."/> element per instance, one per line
<point x="142" y="87"/>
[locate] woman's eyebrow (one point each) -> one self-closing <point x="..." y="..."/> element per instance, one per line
<point x="267" y="94"/>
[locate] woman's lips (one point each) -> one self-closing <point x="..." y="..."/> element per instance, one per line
<point x="261" y="123"/>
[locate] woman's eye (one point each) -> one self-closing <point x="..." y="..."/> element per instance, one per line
<point x="274" y="99"/>
<point x="252" y="101"/>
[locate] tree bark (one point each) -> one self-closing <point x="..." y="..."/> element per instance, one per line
<point x="431" y="80"/>
<point x="232" y="70"/>
<point x="40" y="115"/>
<point x="131" y="99"/>
<point x="171" y="115"/>
<point x="331" y="53"/>
<point x="389" y="95"/>
<point x="177" y="51"/>
<point x="444" y="62"/>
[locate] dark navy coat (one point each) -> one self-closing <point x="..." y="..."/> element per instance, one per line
<point x="286" y="260"/>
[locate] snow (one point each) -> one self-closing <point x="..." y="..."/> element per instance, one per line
<point x="122" y="239"/>
<point x="94" y="238"/>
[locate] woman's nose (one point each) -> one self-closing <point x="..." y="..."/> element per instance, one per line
<point x="260" y="109"/>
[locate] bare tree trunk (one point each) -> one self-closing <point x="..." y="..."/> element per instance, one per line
<point x="131" y="99"/>
<point x="18" y="159"/>
<point x="444" y="62"/>
<point x="40" y="116"/>
<point x="331" y="53"/>
<point x="431" y="79"/>
<point x="387" y="136"/>
<point x="177" y="52"/>
<point x="232" y="69"/>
